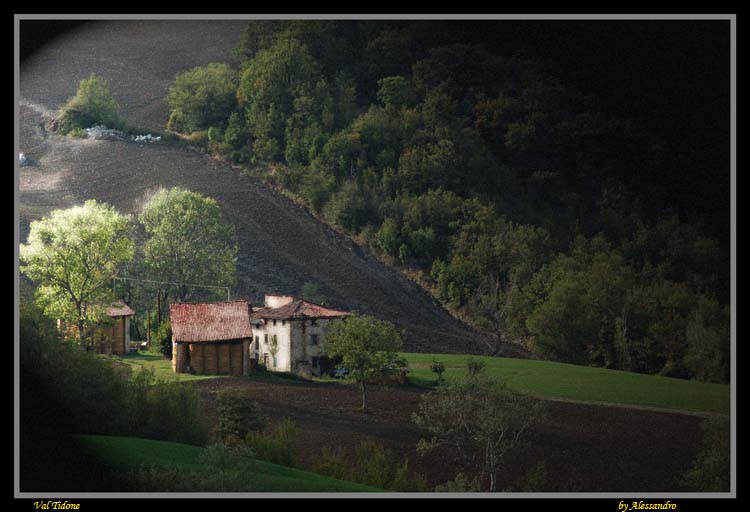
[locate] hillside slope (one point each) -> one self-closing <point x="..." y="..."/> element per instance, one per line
<point x="281" y="245"/>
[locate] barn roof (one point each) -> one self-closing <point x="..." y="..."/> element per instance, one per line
<point x="298" y="308"/>
<point x="212" y="321"/>
<point x="119" y="308"/>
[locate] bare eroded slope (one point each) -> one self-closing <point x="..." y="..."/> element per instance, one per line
<point x="281" y="245"/>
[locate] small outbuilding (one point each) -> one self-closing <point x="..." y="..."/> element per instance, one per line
<point x="211" y="338"/>
<point x="109" y="336"/>
<point x="119" y="329"/>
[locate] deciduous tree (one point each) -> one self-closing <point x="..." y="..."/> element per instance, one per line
<point x="368" y="347"/>
<point x="73" y="255"/>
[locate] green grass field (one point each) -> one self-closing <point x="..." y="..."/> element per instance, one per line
<point x="539" y="378"/>
<point x="558" y="380"/>
<point x="130" y="453"/>
<point x="160" y="365"/>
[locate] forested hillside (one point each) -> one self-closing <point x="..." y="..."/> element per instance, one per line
<point x="539" y="196"/>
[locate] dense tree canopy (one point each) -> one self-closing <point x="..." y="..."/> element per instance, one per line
<point x="531" y="206"/>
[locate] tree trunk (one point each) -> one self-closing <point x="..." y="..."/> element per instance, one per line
<point x="81" y="337"/>
<point x="364" y="396"/>
<point x="491" y="467"/>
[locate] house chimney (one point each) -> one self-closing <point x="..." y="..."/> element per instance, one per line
<point x="276" y="301"/>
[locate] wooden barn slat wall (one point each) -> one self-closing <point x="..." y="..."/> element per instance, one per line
<point x="210" y="354"/>
<point x="236" y="359"/>
<point x="224" y="365"/>
<point x="196" y="358"/>
<point x="210" y="358"/>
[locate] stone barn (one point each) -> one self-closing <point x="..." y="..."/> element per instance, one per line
<point x="211" y="338"/>
<point x="289" y="333"/>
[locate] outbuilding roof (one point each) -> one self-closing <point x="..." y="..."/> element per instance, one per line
<point x="119" y="308"/>
<point x="298" y="308"/>
<point x="212" y="321"/>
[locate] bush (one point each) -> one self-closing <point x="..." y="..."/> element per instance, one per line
<point x="711" y="469"/>
<point x="438" y="367"/>
<point x="175" y="414"/>
<point x="277" y="446"/>
<point x="332" y="462"/>
<point x="460" y="484"/>
<point x="376" y="466"/>
<point x="163" y="339"/>
<point x="474" y="366"/>
<point x="237" y="416"/>
<point x="202" y="97"/>
<point x="92" y="104"/>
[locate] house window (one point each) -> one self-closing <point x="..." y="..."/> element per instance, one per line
<point x="265" y="359"/>
<point x="274" y="362"/>
<point x="274" y="322"/>
<point x="283" y="322"/>
<point x="315" y="361"/>
<point x="275" y="340"/>
<point x="257" y="342"/>
<point x="313" y="339"/>
<point x="314" y="321"/>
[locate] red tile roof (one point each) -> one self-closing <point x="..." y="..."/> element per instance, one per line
<point x="298" y="308"/>
<point x="119" y="309"/>
<point x="214" y="321"/>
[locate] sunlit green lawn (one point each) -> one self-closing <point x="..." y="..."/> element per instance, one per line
<point x="559" y="380"/>
<point x="161" y="366"/>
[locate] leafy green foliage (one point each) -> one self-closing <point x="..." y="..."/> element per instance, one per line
<point x="76" y="392"/>
<point x="368" y="348"/>
<point x="73" y="255"/>
<point x="712" y="468"/>
<point x="92" y="104"/>
<point x="507" y="190"/>
<point x="438" y="367"/>
<point x="276" y="446"/>
<point x="163" y="339"/>
<point x="238" y="416"/>
<point x="189" y="242"/>
<point x="202" y="97"/>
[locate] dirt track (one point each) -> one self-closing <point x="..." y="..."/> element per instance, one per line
<point x="281" y="245"/>
<point x="584" y="448"/>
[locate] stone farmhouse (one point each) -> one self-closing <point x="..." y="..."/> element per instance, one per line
<point x="289" y="333"/>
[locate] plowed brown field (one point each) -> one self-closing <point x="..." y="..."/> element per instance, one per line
<point x="281" y="245"/>
<point x="583" y="448"/>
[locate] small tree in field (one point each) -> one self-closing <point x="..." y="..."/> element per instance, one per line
<point x="438" y="367"/>
<point x="368" y="347"/>
<point x="481" y="418"/>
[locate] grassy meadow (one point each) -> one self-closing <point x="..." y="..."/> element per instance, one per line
<point x="566" y="381"/>
<point x="539" y="378"/>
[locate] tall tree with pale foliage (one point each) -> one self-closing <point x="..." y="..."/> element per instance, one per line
<point x="73" y="255"/>
<point x="189" y="242"/>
